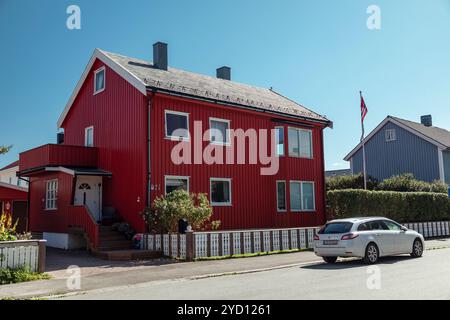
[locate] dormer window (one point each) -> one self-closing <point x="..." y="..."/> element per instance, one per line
<point x="99" y="80"/>
<point x="390" y="135"/>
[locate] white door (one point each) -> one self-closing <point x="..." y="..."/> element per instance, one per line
<point x="88" y="192"/>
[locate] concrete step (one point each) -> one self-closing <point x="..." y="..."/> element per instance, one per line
<point x="124" y="255"/>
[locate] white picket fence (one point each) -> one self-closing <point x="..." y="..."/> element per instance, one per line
<point x="194" y="245"/>
<point x="16" y="254"/>
<point x="430" y="229"/>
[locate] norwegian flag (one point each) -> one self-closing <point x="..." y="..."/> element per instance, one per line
<point x="364" y="111"/>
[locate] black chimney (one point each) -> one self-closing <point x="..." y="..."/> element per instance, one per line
<point x="224" y="73"/>
<point x="60" y="138"/>
<point x="160" y="55"/>
<point x="427" y="120"/>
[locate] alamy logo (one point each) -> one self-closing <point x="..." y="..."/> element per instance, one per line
<point x="73" y="281"/>
<point x="374" y="20"/>
<point x="189" y="150"/>
<point x="374" y="279"/>
<point x="73" y="21"/>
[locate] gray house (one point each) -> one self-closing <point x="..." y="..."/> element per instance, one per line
<point x="399" y="146"/>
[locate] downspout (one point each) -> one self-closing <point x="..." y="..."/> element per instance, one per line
<point x="149" y="175"/>
<point x="27" y="227"/>
<point x="323" y="177"/>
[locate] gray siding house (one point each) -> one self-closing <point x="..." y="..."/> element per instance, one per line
<point x="399" y="146"/>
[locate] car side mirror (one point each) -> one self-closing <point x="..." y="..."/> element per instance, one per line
<point x="403" y="228"/>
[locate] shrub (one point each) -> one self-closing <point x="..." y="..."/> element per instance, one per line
<point x="355" y="181"/>
<point x="399" y="206"/>
<point x="179" y="204"/>
<point x="7" y="228"/>
<point x="407" y="183"/>
<point x="21" y="274"/>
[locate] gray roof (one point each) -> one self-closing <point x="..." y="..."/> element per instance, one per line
<point x="439" y="135"/>
<point x="203" y="86"/>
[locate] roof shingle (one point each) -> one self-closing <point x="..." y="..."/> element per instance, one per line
<point x="203" y="86"/>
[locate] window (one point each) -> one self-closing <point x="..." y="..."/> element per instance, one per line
<point x="302" y="196"/>
<point x="308" y="203"/>
<point x="279" y="140"/>
<point x="219" y="131"/>
<point x="99" y="80"/>
<point x="51" y="193"/>
<point x="220" y="192"/>
<point x="173" y="183"/>
<point x="281" y="195"/>
<point x="300" y="143"/>
<point x="177" y="125"/>
<point x="392" y="226"/>
<point x="377" y="225"/>
<point x="390" y="135"/>
<point x="336" y="228"/>
<point x="89" y="137"/>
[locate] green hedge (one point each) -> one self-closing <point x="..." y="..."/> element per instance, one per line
<point x="399" y="206"/>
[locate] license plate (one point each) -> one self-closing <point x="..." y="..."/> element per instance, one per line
<point x="330" y="242"/>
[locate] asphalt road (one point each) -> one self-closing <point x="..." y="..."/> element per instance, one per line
<point x="393" y="278"/>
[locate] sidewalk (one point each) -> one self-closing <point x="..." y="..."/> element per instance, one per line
<point x="100" y="274"/>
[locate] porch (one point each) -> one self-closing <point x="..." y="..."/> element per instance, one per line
<point x="66" y="206"/>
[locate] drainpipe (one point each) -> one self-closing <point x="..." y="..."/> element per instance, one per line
<point x="27" y="227"/>
<point x="149" y="175"/>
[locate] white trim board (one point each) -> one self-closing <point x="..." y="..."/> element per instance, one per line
<point x="441" y="165"/>
<point x="401" y="125"/>
<point x="120" y="70"/>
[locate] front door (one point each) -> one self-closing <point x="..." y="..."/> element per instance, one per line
<point x="88" y="192"/>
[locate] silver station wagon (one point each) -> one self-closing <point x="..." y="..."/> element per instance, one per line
<point x="369" y="238"/>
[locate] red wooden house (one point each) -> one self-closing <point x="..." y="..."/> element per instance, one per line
<point x="121" y="125"/>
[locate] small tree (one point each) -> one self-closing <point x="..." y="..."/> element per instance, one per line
<point x="168" y="209"/>
<point x="4" y="149"/>
<point x="7" y="227"/>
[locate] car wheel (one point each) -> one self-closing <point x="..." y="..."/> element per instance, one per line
<point x="372" y="254"/>
<point x="417" y="249"/>
<point x="330" y="259"/>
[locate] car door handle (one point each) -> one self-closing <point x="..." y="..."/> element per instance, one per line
<point x="377" y="234"/>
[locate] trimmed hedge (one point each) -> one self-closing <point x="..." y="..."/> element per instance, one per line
<point x="399" y="206"/>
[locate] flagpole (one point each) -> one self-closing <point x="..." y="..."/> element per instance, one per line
<point x="363" y="150"/>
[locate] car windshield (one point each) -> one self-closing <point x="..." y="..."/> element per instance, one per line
<point x="336" y="227"/>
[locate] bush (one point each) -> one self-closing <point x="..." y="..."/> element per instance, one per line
<point x="22" y="274"/>
<point x="7" y="227"/>
<point x="179" y="204"/>
<point x="355" y="181"/>
<point x="399" y="206"/>
<point x="407" y="183"/>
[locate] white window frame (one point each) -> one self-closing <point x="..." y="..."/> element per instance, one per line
<point x="221" y="204"/>
<point x="165" y="125"/>
<point x="48" y="200"/>
<point x="285" y="195"/>
<point x="302" y="207"/>
<point x="86" y="136"/>
<point x="390" y="135"/>
<point x="95" y="80"/>
<point x="276" y="142"/>
<point x="311" y="144"/>
<point x="227" y="132"/>
<point x="179" y="178"/>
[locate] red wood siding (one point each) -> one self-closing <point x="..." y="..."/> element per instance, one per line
<point x="50" y="220"/>
<point x="253" y="195"/>
<point x="58" y="155"/>
<point x="119" y="117"/>
<point x="9" y="194"/>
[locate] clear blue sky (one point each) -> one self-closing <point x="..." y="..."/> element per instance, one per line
<point x="319" y="53"/>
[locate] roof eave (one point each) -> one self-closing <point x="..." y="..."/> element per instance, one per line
<point x="325" y="122"/>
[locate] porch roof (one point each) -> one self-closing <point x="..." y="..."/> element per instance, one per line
<point x="74" y="171"/>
